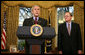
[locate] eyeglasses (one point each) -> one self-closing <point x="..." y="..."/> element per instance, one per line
<point x="66" y="16"/>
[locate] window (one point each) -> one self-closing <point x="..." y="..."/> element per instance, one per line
<point x="24" y="13"/>
<point x="61" y="11"/>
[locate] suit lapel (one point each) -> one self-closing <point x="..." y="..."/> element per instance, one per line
<point x="71" y="28"/>
<point x="39" y="21"/>
<point x="32" y="20"/>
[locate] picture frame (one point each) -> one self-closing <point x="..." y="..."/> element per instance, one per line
<point x="13" y="48"/>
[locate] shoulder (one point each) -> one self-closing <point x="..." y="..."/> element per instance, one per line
<point x="76" y="24"/>
<point x="62" y="24"/>
<point x="42" y="19"/>
<point x="28" y="19"/>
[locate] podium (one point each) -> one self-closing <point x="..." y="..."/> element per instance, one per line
<point x="23" y="32"/>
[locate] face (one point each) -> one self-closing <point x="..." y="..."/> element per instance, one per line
<point x="68" y="17"/>
<point x="36" y="11"/>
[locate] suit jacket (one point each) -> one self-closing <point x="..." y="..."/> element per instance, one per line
<point x="30" y="22"/>
<point x="69" y="43"/>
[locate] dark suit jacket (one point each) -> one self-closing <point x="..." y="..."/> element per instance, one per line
<point x="30" y="22"/>
<point x="68" y="43"/>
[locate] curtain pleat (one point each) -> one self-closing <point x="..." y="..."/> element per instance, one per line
<point x="12" y="25"/>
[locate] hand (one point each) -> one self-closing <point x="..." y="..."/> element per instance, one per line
<point x="60" y="52"/>
<point x="79" y="52"/>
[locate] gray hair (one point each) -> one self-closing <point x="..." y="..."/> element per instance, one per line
<point x="33" y="7"/>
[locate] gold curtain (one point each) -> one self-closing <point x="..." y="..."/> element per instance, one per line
<point x="44" y="13"/>
<point x="54" y="24"/>
<point x="79" y="18"/>
<point x="44" y="4"/>
<point x="12" y="25"/>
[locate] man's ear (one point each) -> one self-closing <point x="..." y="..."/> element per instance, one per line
<point x="71" y="17"/>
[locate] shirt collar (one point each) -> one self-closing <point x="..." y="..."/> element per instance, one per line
<point x="37" y="18"/>
<point x="69" y="23"/>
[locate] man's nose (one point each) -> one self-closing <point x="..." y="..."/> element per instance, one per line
<point x="36" y="10"/>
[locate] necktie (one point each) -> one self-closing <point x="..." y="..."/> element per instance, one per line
<point x="69" y="29"/>
<point x="35" y="20"/>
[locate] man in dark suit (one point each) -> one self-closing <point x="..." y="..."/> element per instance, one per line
<point x="35" y="20"/>
<point x="69" y="37"/>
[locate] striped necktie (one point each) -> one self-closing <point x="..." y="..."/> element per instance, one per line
<point x="69" y="29"/>
<point x="35" y="20"/>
